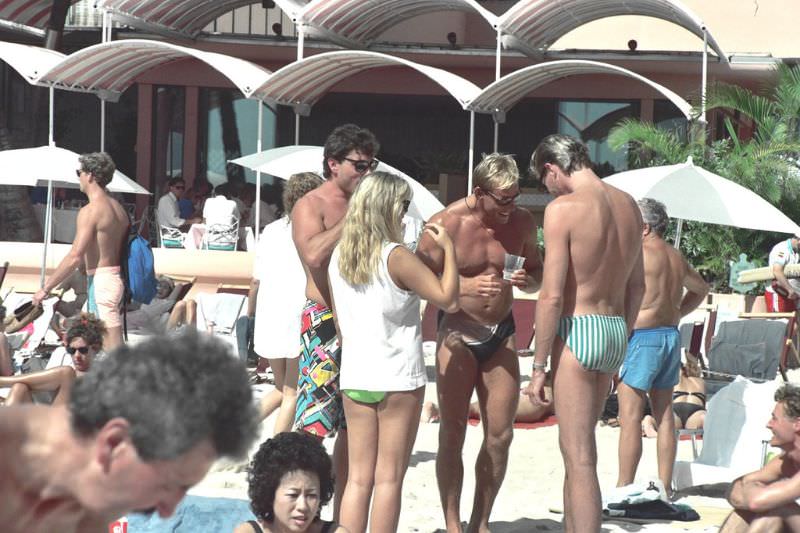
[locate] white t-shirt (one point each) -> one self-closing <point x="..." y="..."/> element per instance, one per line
<point x="783" y="254"/>
<point x="220" y="210"/>
<point x="168" y="211"/>
<point x="381" y="331"/>
<point x="281" y="293"/>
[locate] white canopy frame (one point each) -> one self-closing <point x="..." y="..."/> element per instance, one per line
<point x="497" y="98"/>
<point x="302" y="83"/>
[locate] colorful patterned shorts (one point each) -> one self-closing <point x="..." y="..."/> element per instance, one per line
<point x="319" y="401"/>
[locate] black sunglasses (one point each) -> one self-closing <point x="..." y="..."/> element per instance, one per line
<point x="499" y="200"/>
<point x="362" y="165"/>
<point x="78" y="172"/>
<point x="83" y="349"/>
<point x="406" y="203"/>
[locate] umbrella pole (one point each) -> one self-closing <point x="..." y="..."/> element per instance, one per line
<point x="496" y="133"/>
<point x="48" y="223"/>
<point x="257" y="225"/>
<point x="471" y="151"/>
<point x="296" y="128"/>
<point x="705" y="76"/>
<point x="678" y="233"/>
<point x="50" y="140"/>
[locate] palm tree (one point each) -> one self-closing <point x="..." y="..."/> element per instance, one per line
<point x="765" y="164"/>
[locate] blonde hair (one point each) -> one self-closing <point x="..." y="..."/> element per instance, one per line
<point x="297" y="186"/>
<point x="374" y="217"/>
<point x="496" y="172"/>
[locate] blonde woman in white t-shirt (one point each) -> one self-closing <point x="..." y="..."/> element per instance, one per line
<point x="376" y="284"/>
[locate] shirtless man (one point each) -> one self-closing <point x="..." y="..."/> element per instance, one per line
<point x="591" y="291"/>
<point x="142" y="426"/>
<point x="652" y="364"/>
<point x="476" y="347"/>
<point x="317" y="222"/>
<point x="766" y="500"/>
<point x="100" y="236"/>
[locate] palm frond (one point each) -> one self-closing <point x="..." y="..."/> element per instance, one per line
<point x="722" y="95"/>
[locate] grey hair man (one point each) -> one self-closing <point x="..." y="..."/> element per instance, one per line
<point x="101" y="229"/>
<point x="766" y="500"/>
<point x="142" y="426"/>
<point x="672" y="289"/>
<point x="591" y="290"/>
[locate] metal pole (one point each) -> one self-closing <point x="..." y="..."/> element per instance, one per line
<point x="471" y="151"/>
<point x="496" y="133"/>
<point x="296" y="128"/>
<point x="105" y="36"/>
<point x="300" y="44"/>
<point x="497" y="77"/>
<point x="48" y="223"/>
<point x="257" y="225"/>
<point x="50" y="140"/>
<point x="678" y="233"/>
<point x="705" y="76"/>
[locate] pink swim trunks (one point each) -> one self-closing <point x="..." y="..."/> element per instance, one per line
<point x="104" y="295"/>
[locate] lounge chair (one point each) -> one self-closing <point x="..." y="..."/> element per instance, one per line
<point x="735" y="429"/>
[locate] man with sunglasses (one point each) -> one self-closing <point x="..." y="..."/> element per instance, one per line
<point x="317" y="222"/>
<point x="476" y="346"/>
<point x="591" y="293"/>
<point x="101" y="232"/>
<point x="169" y="213"/>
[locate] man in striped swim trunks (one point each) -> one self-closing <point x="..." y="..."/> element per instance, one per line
<point x="317" y="222"/>
<point x="101" y="229"/>
<point x="653" y="361"/>
<point x="592" y="286"/>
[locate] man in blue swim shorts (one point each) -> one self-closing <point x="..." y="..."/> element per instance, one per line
<point x="654" y="353"/>
<point x="591" y="290"/>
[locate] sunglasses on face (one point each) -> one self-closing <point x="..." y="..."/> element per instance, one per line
<point x="500" y="200"/>
<point x="78" y="172"/>
<point x="406" y="203"/>
<point x="83" y="349"/>
<point x="179" y="187"/>
<point x="362" y="165"/>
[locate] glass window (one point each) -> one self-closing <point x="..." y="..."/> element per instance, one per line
<point x="169" y="121"/>
<point x="668" y="117"/>
<point x="591" y="121"/>
<point x="229" y="129"/>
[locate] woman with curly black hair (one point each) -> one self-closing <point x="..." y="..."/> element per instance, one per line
<point x="82" y="342"/>
<point x="290" y="479"/>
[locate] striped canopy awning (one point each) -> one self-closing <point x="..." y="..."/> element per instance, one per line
<point x="358" y="23"/>
<point x="109" y="68"/>
<point x="504" y="93"/>
<point x="29" y="61"/>
<point x="534" y="25"/>
<point x="185" y="18"/>
<point x="28" y="16"/>
<point x="302" y="83"/>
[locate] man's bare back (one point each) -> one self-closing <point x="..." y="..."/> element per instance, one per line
<point x="480" y="251"/>
<point x="664" y="272"/>
<point x="317" y="221"/>
<point x="603" y="226"/>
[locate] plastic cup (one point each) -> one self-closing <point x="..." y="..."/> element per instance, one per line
<point x="512" y="263"/>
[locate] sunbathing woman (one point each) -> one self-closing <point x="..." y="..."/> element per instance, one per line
<point x="83" y="340"/>
<point x="688" y="399"/>
<point x="290" y="479"/>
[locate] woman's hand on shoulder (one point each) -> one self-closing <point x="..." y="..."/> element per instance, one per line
<point x="438" y="234"/>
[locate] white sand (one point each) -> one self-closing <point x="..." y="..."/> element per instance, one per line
<point x="532" y="486"/>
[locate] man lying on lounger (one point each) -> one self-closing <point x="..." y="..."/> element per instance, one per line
<point x="141" y="427"/>
<point x="766" y="500"/>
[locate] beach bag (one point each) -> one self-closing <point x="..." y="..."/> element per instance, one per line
<point x="140" y="275"/>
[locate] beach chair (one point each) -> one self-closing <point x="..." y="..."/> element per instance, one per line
<point x="218" y="314"/>
<point x="735" y="427"/>
<point x="222" y="236"/>
<point x="171" y="237"/>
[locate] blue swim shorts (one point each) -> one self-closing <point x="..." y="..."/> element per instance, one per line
<point x="653" y="359"/>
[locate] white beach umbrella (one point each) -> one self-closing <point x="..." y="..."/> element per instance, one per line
<point x="36" y="166"/>
<point x="287" y="160"/>
<point x="51" y="166"/>
<point x="690" y="192"/>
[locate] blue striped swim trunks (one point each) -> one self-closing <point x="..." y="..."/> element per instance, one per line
<point x="599" y="342"/>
